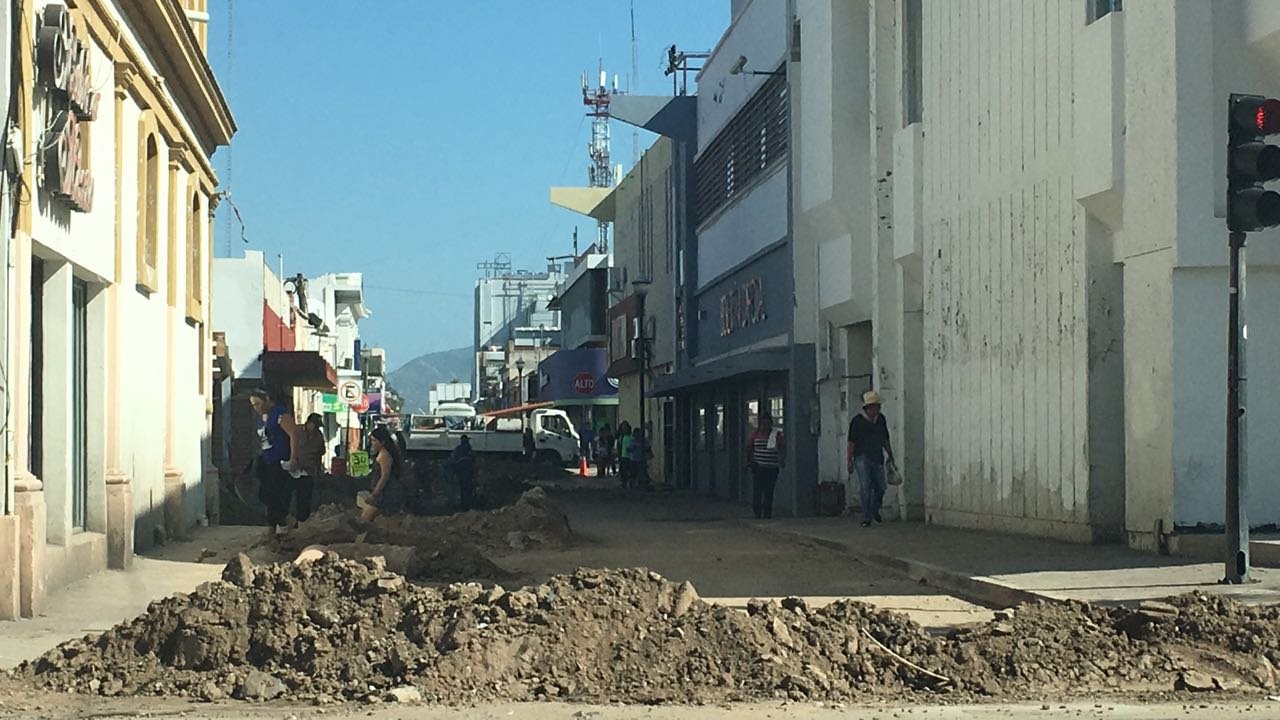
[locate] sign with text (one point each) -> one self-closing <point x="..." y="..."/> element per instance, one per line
<point x="330" y="403"/>
<point x="359" y="465"/>
<point x="584" y="383"/>
<point x="742" y="306"/>
<point x="70" y="100"/>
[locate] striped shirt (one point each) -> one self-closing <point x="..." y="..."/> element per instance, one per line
<point x="761" y="453"/>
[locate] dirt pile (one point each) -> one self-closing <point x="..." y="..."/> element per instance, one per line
<point x="337" y="629"/>
<point x="533" y="521"/>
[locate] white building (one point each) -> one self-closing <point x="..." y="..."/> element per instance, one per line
<point x="114" y="118"/>
<point x="1033" y="270"/>
<point x="447" y="393"/>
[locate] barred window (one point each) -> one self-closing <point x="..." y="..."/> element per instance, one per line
<point x="750" y="144"/>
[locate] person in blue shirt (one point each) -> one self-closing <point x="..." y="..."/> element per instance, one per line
<point x="276" y="432"/>
<point x="462" y="463"/>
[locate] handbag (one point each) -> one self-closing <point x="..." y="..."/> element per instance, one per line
<point x="892" y="476"/>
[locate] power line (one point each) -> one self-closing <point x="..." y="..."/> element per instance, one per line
<point x="415" y="291"/>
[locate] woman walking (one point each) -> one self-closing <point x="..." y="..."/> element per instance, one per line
<point x="388" y="495"/>
<point x="766" y="454"/>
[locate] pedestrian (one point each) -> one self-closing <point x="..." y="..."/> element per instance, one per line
<point x="766" y="455"/>
<point x="586" y="440"/>
<point x="310" y="461"/>
<point x="276" y="432"/>
<point x="604" y="451"/>
<point x="625" y="438"/>
<point x="867" y="451"/>
<point x="530" y="448"/>
<point x="462" y="465"/>
<point x="641" y="452"/>
<point x="389" y="492"/>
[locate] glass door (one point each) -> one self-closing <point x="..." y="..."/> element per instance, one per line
<point x="79" y="399"/>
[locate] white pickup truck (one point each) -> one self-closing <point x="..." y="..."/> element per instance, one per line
<point x="553" y="435"/>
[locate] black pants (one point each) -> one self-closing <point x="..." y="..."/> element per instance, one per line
<point x="275" y="490"/>
<point x="467" y="491"/>
<point x="302" y="489"/>
<point x="763" y="481"/>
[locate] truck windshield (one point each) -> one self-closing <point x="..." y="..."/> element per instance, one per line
<point x="556" y="424"/>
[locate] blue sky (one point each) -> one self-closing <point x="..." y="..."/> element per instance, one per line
<point x="411" y="139"/>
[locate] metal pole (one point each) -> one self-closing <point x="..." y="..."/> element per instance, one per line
<point x="1237" y="556"/>
<point x="644" y="355"/>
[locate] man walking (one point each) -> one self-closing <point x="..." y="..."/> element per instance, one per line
<point x="868" y="449"/>
<point x="462" y="464"/>
<point x="766" y="454"/>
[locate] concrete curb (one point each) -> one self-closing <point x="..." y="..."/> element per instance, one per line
<point x="979" y="590"/>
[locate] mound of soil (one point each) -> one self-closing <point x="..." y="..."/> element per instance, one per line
<point x="533" y="521"/>
<point x="338" y="629"/>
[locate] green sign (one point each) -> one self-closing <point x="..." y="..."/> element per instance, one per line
<point x="331" y="403"/>
<point x="360" y="465"/>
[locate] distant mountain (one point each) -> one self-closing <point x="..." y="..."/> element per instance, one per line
<point x="414" y="379"/>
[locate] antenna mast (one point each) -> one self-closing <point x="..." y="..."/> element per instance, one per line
<point x="634" y="86"/>
<point x="600" y="173"/>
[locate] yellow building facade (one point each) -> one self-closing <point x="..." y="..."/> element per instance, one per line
<point x="108" y="359"/>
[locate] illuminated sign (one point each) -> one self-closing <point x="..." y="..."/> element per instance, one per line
<point x="742" y="306"/>
<point x="63" y="60"/>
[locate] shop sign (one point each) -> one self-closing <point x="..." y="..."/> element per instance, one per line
<point x="584" y="383"/>
<point x="63" y="60"/>
<point x="742" y="306"/>
<point x="331" y="404"/>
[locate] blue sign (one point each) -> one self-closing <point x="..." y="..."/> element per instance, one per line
<point x="576" y="375"/>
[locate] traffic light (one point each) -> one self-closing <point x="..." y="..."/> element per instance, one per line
<point x="1252" y="162"/>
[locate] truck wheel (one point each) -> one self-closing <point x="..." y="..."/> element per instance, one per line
<point x="550" y="457"/>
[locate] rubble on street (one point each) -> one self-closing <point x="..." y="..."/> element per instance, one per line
<point x="336" y="630"/>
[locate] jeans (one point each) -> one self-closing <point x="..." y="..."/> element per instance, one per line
<point x="871" y="486"/>
<point x="466" y="491"/>
<point x="764" y="479"/>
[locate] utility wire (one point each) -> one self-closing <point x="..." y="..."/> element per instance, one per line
<point x="415" y="291"/>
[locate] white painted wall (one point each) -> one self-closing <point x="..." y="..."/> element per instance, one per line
<point x="751" y="223"/>
<point x="238" y="291"/>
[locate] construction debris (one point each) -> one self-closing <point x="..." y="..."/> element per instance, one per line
<point x="335" y="629"/>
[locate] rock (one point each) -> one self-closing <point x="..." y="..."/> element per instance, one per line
<point x="325" y="617"/>
<point x="494" y="595"/>
<point x="780" y="631"/>
<point x="311" y="553"/>
<point x="1196" y="682"/>
<point x="405" y="695"/>
<point x="1156" y="609"/>
<point x="1002" y="629"/>
<point x="239" y="571"/>
<point x="795" y="605"/>
<point x="686" y="596"/>
<point x="258" y="685"/>
<point x="391" y="583"/>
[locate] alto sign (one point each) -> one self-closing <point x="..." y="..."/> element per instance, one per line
<point x="70" y="101"/>
<point x="584" y="383"/>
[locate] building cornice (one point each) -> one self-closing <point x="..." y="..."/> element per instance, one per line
<point x="161" y="26"/>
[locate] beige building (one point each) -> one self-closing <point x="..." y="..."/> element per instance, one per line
<point x="107" y="319"/>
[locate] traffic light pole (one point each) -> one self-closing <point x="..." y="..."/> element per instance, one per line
<point x="1237" y="555"/>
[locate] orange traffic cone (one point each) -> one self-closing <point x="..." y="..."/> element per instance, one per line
<point x="582" y="465"/>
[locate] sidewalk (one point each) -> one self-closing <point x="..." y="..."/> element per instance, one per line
<point x="99" y="602"/>
<point x="1002" y="570"/>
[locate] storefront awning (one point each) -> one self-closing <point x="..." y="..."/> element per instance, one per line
<point x="299" y="369"/>
<point x="734" y="367"/>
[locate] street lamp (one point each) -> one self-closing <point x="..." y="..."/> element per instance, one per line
<point x="641" y="289"/>
<point x="520" y="372"/>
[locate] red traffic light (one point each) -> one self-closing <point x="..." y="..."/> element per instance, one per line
<point x="1266" y="118"/>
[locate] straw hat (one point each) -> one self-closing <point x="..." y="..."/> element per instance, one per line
<point x="871" y="397"/>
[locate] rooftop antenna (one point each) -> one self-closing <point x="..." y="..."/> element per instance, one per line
<point x="634" y="85"/>
<point x="600" y="172"/>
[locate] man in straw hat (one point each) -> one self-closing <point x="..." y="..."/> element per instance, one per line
<point x="868" y="449"/>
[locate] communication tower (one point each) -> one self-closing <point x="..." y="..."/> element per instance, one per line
<point x="600" y="173"/>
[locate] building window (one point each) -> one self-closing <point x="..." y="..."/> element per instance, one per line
<point x="912" y="63"/>
<point x="754" y="141"/>
<point x="148" y="212"/>
<point x="701" y="442"/>
<point x="721" y="438"/>
<point x="753" y="414"/>
<point x="776" y="411"/>
<point x="1101" y="8"/>
<point x="195" y="260"/>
